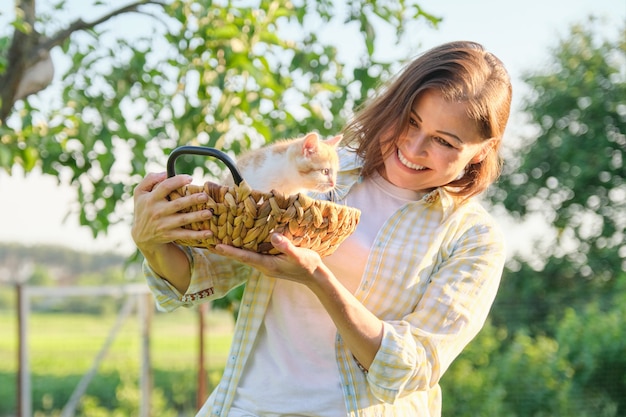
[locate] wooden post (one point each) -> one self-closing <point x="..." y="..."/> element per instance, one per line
<point x="24" y="403"/>
<point x="201" y="393"/>
<point x="145" y="380"/>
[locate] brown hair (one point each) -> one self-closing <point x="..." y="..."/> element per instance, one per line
<point x="463" y="72"/>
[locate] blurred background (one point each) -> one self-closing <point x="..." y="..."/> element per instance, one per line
<point x="94" y="94"/>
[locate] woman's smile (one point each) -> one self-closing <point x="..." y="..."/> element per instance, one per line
<point x="404" y="161"/>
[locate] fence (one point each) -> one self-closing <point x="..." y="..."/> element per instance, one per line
<point x="135" y="294"/>
<point x="192" y="350"/>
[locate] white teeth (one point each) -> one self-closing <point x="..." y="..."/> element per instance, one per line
<point x="408" y="163"/>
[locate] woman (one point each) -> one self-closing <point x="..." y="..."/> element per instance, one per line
<point x="369" y="330"/>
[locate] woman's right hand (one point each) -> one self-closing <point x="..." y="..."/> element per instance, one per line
<point x="158" y="221"/>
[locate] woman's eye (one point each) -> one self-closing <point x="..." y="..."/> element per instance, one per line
<point x="413" y="122"/>
<point x="442" y="141"/>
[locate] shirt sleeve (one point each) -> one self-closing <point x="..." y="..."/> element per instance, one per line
<point x="417" y="349"/>
<point x="212" y="276"/>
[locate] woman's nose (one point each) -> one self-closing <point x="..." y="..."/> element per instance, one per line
<point x="415" y="143"/>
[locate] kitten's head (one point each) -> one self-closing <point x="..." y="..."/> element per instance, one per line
<point x="317" y="162"/>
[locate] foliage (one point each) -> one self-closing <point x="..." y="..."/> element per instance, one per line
<point x="468" y="386"/>
<point x="572" y="175"/>
<point x="578" y="372"/>
<point x="231" y="301"/>
<point x="128" y="397"/>
<point x="223" y="75"/>
<point x="594" y="342"/>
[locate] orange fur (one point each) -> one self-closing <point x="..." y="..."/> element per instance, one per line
<point x="292" y="166"/>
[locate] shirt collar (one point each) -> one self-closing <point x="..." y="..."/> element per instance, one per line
<point x="440" y="198"/>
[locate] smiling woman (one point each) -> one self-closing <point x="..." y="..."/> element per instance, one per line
<point x="424" y="263"/>
<point x="439" y="123"/>
<point x="431" y="153"/>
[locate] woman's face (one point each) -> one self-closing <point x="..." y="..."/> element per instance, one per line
<point x="440" y="142"/>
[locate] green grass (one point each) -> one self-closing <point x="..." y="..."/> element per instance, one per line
<point x="62" y="348"/>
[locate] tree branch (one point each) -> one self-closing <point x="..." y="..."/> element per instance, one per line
<point x="29" y="49"/>
<point x="18" y="57"/>
<point x="79" y="24"/>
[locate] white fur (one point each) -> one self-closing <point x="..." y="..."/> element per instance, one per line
<point x="278" y="169"/>
<point x="272" y="176"/>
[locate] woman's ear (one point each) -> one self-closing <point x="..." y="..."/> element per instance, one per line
<point x="487" y="146"/>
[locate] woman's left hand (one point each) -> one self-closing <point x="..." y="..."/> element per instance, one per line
<point x="361" y="330"/>
<point x="295" y="264"/>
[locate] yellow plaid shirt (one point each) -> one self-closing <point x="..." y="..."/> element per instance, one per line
<point x="432" y="275"/>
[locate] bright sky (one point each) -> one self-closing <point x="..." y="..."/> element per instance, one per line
<point x="33" y="210"/>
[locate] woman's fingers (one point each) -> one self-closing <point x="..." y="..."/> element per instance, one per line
<point x="295" y="264"/>
<point x="284" y="245"/>
<point x="176" y="219"/>
<point x="158" y="220"/>
<point x="167" y="185"/>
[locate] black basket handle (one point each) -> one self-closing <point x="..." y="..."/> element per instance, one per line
<point x="204" y="151"/>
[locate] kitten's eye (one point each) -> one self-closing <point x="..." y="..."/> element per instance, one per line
<point x="325" y="171"/>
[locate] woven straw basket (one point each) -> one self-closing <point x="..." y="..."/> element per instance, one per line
<point x="245" y="218"/>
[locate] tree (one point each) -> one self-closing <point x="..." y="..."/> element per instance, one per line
<point x="28" y="64"/>
<point x="218" y="74"/>
<point x="572" y="174"/>
<point x="577" y="372"/>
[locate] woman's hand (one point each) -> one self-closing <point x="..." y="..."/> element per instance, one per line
<point x="157" y="220"/>
<point x="295" y="264"/>
<point x="158" y="223"/>
<point x="361" y="330"/>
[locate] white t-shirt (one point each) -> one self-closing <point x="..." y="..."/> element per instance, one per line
<point x="292" y="369"/>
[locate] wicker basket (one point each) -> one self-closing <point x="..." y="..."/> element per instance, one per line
<point x="245" y="218"/>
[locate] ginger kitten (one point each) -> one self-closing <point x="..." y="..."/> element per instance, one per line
<point x="292" y="166"/>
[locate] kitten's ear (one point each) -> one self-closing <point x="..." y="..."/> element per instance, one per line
<point x="309" y="146"/>
<point x="334" y="141"/>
